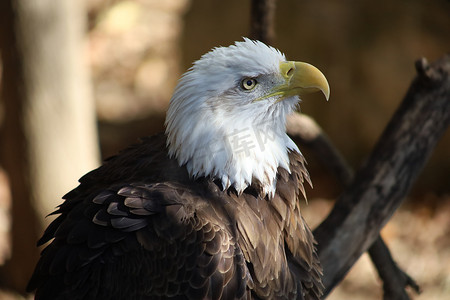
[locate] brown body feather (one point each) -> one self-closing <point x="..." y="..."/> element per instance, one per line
<point x="140" y="228"/>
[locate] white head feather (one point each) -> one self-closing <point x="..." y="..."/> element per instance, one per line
<point x="215" y="127"/>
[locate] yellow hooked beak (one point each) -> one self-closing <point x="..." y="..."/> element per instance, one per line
<point x="301" y="79"/>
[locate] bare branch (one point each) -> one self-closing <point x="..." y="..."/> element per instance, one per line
<point x="394" y="279"/>
<point x="387" y="176"/>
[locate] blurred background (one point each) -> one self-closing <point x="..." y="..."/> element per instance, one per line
<point x="82" y="80"/>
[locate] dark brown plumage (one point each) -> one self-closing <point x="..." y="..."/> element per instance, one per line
<point x="139" y="227"/>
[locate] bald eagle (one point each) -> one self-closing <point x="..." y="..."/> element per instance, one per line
<point x="207" y="210"/>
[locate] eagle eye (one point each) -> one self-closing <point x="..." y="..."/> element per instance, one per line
<point x="248" y="83"/>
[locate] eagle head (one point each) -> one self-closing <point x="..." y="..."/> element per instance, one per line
<point x="226" y="118"/>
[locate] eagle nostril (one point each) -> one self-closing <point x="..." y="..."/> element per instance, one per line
<point x="289" y="73"/>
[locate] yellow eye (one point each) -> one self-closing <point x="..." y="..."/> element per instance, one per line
<point x="248" y="83"/>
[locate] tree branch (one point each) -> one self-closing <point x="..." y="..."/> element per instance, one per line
<point x="394" y="279"/>
<point x="304" y="130"/>
<point x="385" y="179"/>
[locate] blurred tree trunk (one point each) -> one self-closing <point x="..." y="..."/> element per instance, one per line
<point x="262" y="20"/>
<point x="49" y="135"/>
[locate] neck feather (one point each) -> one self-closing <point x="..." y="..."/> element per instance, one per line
<point x="238" y="153"/>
